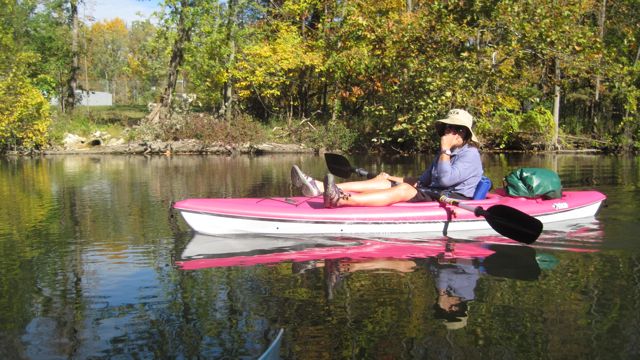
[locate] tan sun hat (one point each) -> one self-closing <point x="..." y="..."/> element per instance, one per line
<point x="459" y="117"/>
<point x="456" y="325"/>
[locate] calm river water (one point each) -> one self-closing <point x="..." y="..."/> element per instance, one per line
<point x="92" y="267"/>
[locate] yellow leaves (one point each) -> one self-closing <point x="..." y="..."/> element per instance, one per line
<point x="299" y="8"/>
<point x="508" y="102"/>
<point x="268" y="66"/>
<point x="116" y="27"/>
<point x="134" y="64"/>
<point x="24" y="113"/>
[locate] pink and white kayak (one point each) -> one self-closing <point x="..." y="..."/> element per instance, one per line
<point x="303" y="215"/>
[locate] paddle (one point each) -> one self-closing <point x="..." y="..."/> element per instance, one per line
<point x="339" y="165"/>
<point x="505" y="220"/>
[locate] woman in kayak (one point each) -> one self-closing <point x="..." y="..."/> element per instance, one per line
<point x="455" y="172"/>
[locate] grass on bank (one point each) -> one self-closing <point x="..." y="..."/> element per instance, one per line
<point x="84" y="121"/>
<point x="122" y="121"/>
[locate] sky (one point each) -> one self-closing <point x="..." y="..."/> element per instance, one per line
<point x="125" y="9"/>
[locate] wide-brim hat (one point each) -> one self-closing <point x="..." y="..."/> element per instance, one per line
<point x="456" y="325"/>
<point x="461" y="118"/>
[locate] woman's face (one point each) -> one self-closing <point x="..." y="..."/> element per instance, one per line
<point x="449" y="303"/>
<point x="452" y="136"/>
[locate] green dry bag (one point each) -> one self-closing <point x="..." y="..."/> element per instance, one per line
<point x="533" y="183"/>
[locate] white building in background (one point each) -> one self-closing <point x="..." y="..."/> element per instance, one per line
<point x="90" y="98"/>
<point x="96" y="98"/>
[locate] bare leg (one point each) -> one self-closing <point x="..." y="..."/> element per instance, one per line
<point x="360" y="186"/>
<point x="380" y="197"/>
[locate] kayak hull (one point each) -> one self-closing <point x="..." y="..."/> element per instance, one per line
<point x="301" y="215"/>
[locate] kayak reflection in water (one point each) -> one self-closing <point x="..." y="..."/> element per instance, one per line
<point x="455" y="278"/>
<point x="456" y="171"/>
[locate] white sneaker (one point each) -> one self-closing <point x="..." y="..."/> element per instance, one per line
<point x="304" y="182"/>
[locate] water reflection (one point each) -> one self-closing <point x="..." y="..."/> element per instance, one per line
<point x="207" y="251"/>
<point x="456" y="281"/>
<point x="578" y="236"/>
<point x="455" y="266"/>
<point x="88" y="258"/>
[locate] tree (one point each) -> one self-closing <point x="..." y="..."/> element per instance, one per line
<point x="272" y="70"/>
<point x="211" y="59"/>
<point x="620" y="86"/>
<point x="70" y="100"/>
<point x="108" y="51"/>
<point x="146" y="61"/>
<point x="540" y="50"/>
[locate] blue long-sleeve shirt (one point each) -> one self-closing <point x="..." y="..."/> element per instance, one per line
<point x="459" y="280"/>
<point x="461" y="174"/>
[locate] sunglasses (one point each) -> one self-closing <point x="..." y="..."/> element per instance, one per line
<point x="455" y="129"/>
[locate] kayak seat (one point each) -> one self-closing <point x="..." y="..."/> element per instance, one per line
<point x="482" y="189"/>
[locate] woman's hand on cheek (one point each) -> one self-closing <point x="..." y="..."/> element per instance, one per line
<point x="447" y="141"/>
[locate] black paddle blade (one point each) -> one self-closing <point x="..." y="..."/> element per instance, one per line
<point x="338" y="165"/>
<point x="513" y="223"/>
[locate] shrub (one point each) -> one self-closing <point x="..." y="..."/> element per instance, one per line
<point x="515" y="130"/>
<point x="24" y="113"/>
<point x="334" y="135"/>
<point x="204" y="127"/>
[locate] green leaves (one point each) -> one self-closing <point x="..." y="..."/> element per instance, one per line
<point x="381" y="69"/>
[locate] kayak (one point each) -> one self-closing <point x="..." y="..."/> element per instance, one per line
<point x="307" y="215"/>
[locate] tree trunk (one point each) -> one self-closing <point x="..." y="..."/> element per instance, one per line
<point x="556" y="105"/>
<point x="601" y="19"/>
<point x="595" y="106"/>
<point x="73" y="76"/>
<point x="629" y="127"/>
<point x="227" y="91"/>
<point x="336" y="103"/>
<point x="86" y="64"/>
<point x="228" y="85"/>
<point x="177" y="56"/>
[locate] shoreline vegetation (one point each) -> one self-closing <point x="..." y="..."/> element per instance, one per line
<point x="121" y="130"/>
<point x="364" y="76"/>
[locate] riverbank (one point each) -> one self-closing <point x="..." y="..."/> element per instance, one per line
<point x="196" y="147"/>
<point x="102" y="143"/>
<point x="181" y="147"/>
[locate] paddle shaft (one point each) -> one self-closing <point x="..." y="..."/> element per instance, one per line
<point x="505" y="220"/>
<point x="364" y="173"/>
<point x="476" y="210"/>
